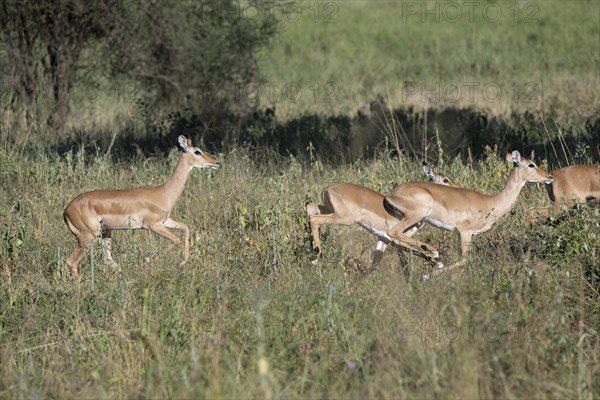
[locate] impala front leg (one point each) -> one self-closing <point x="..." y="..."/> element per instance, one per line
<point x="162" y="229"/>
<point x="171" y="223"/>
<point x="465" y="242"/>
<point x="533" y="214"/>
<point x="465" y="238"/>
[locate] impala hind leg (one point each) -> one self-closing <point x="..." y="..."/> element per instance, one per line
<point x="73" y="261"/>
<point x="86" y="231"/>
<point x="76" y="256"/>
<point x="324" y="219"/>
<point x="107" y="248"/>
<point x="451" y="268"/>
<point x="400" y="235"/>
<point x="312" y="211"/>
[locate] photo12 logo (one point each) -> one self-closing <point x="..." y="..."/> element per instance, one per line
<point x="469" y="332"/>
<point x="281" y="11"/>
<point x="125" y="92"/>
<point x="469" y="11"/>
<point x="471" y="92"/>
<point x="271" y="92"/>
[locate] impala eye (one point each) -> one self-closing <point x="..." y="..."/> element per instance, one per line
<point x="531" y="165"/>
<point x="446" y="180"/>
<point x="198" y="152"/>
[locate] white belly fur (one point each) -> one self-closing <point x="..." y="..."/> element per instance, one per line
<point x="376" y="232"/>
<point x="439" y="224"/>
<point x="122" y="222"/>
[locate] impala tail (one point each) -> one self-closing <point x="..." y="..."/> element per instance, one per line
<point x="592" y="200"/>
<point x="550" y="190"/>
<point x="327" y="199"/>
<point x="392" y="210"/>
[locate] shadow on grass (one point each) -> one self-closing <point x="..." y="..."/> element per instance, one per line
<point x="452" y="132"/>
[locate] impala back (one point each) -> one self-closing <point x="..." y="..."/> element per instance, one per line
<point x="576" y="183"/>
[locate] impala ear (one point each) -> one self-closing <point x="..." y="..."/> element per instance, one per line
<point x="183" y="142"/>
<point x="516" y="157"/>
<point x="428" y="170"/>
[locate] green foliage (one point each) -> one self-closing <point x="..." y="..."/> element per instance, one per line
<point x="249" y="315"/>
<point x="42" y="42"/>
<point x="202" y="66"/>
<point x="13" y="232"/>
<point x="574" y="236"/>
<point x="181" y="56"/>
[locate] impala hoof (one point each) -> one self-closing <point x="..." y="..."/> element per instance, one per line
<point x="314" y="262"/>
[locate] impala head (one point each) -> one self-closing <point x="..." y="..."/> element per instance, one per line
<point x="196" y="157"/>
<point x="529" y="171"/>
<point x="436" y="176"/>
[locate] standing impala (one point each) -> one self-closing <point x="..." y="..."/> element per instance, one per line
<point x="467" y="211"/>
<point x="348" y="204"/>
<point x="95" y="214"/>
<point x="577" y="183"/>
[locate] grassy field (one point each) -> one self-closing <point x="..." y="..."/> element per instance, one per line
<point x="492" y="56"/>
<point x="249" y="316"/>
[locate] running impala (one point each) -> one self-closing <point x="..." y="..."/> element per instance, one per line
<point x="572" y="185"/>
<point x="467" y="211"/>
<point x="348" y="204"/>
<point x="95" y="214"/>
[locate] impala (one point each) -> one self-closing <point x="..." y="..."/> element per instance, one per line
<point x="467" y="211"/>
<point x="572" y="185"/>
<point x="348" y="204"/>
<point x="95" y="214"/>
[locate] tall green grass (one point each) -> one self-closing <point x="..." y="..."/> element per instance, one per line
<point x="249" y="316"/>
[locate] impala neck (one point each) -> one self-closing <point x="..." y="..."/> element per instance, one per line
<point x="173" y="188"/>
<point x="509" y="195"/>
